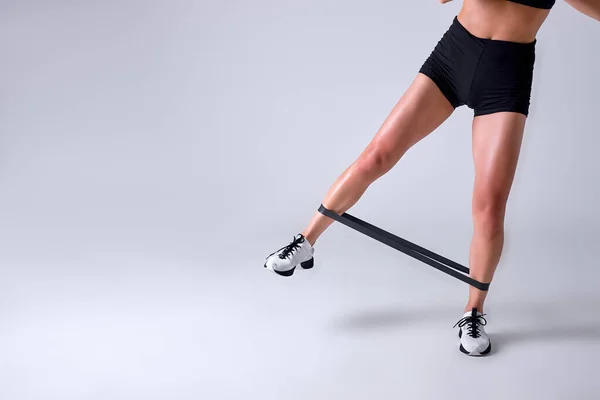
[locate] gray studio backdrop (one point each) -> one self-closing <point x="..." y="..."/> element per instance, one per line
<point x="152" y="153"/>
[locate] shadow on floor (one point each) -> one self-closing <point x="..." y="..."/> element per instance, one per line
<point x="572" y="332"/>
<point x="533" y="322"/>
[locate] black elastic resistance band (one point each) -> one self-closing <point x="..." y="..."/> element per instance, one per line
<point x="428" y="257"/>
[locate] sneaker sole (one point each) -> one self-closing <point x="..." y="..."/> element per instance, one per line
<point x="308" y="264"/>
<point x="474" y="353"/>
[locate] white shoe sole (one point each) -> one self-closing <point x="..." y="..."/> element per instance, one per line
<point x="308" y="264"/>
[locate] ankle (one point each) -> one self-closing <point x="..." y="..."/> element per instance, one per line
<point x="311" y="239"/>
<point x="470" y="307"/>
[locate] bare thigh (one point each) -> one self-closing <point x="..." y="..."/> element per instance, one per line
<point x="419" y="112"/>
<point x="497" y="140"/>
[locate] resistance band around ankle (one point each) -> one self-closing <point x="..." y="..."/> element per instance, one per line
<point x="428" y="257"/>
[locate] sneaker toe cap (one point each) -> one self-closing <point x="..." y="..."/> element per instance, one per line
<point x="275" y="263"/>
<point x="475" y="346"/>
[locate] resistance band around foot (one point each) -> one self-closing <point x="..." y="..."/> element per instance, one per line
<point x="428" y="257"/>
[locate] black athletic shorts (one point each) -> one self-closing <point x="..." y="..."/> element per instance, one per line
<point x="487" y="75"/>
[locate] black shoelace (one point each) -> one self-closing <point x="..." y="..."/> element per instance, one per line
<point x="472" y="322"/>
<point x="289" y="249"/>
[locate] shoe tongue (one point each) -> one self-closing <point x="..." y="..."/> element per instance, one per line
<point x="299" y="237"/>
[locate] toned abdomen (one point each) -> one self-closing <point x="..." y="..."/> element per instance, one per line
<point x="502" y="20"/>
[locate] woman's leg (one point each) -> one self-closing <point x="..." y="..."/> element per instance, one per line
<point x="419" y="111"/>
<point x="496" y="146"/>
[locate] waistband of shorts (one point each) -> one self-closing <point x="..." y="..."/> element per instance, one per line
<point x="456" y="25"/>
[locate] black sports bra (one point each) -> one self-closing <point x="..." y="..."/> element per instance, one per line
<point x="545" y="4"/>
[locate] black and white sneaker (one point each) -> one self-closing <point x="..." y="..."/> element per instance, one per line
<point x="473" y="339"/>
<point x="285" y="260"/>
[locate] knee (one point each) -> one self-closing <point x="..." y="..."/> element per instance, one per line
<point x="488" y="214"/>
<point x="374" y="162"/>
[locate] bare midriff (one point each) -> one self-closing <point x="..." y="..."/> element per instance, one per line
<point x="502" y="20"/>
